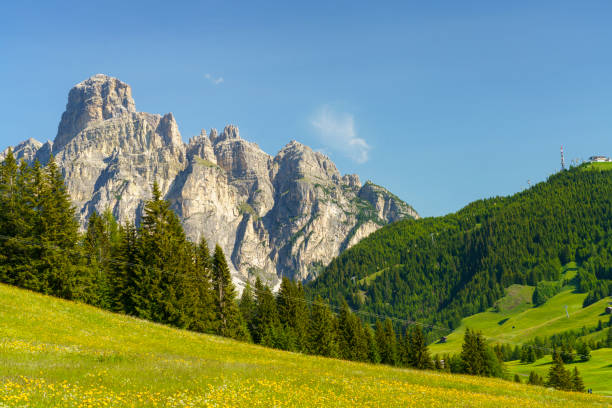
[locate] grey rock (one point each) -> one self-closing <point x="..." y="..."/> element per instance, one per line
<point x="287" y="215"/>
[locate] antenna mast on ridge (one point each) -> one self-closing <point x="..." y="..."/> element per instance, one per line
<point x="562" y="159"/>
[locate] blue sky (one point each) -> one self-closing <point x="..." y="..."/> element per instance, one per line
<point x="441" y="102"/>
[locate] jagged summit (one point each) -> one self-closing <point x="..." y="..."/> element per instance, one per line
<point x="287" y="215"/>
<point x="97" y="98"/>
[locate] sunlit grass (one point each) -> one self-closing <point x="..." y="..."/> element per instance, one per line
<point x="57" y="353"/>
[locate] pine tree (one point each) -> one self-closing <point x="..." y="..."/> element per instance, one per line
<point x="385" y="343"/>
<point x="419" y="352"/>
<point x="204" y="318"/>
<point x="17" y="217"/>
<point x="230" y="322"/>
<point x="266" y="321"/>
<point x="584" y="352"/>
<point x="321" y="337"/>
<point x="517" y="379"/>
<point x="577" y="383"/>
<point x="164" y="257"/>
<point x="558" y="376"/>
<point x="351" y="337"/>
<point x="609" y="338"/>
<point x="373" y="354"/>
<point x="248" y="307"/>
<point x="60" y="265"/>
<point x="97" y="246"/>
<point x="292" y="311"/>
<point x="535" y="379"/>
<point x="471" y="354"/>
<point x="125" y="274"/>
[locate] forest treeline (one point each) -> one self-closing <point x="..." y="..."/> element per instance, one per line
<point x="442" y="269"/>
<point x="152" y="271"/>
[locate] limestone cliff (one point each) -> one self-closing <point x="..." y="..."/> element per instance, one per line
<point x="287" y="215"/>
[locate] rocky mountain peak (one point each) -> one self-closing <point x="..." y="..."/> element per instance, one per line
<point x="230" y="132"/>
<point x="168" y="129"/>
<point x="299" y="159"/>
<point x="287" y="215"/>
<point x="97" y="98"/>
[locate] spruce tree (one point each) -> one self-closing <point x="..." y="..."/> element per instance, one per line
<point x="577" y="383"/>
<point x="558" y="376"/>
<point x="535" y="379"/>
<point x="18" y="249"/>
<point x="164" y="258"/>
<point x="419" y="352"/>
<point x="266" y="322"/>
<point x="351" y="336"/>
<point x="292" y="311"/>
<point x="125" y="273"/>
<point x="247" y="307"/>
<point x="60" y="265"/>
<point x="229" y="321"/>
<point x="321" y="337"/>
<point x="373" y="354"/>
<point x="383" y="344"/>
<point x="204" y="316"/>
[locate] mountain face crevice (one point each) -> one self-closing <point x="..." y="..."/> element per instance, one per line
<point x="287" y="215"/>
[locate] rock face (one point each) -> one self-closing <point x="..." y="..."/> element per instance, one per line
<point x="287" y="215"/>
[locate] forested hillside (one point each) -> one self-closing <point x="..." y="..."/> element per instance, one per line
<point x="442" y="269"/>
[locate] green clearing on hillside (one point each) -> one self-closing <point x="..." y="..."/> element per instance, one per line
<point x="599" y="166"/>
<point x="58" y="353"/>
<point x="522" y="321"/>
<point x="596" y="373"/>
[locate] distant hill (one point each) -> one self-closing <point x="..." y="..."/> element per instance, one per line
<point x="515" y="320"/>
<point x="63" y="354"/>
<point x="439" y="270"/>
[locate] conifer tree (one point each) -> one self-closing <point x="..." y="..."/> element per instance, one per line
<point x="203" y="301"/>
<point x="351" y="337"/>
<point x="558" y="376"/>
<point x="419" y="352"/>
<point x="321" y="338"/>
<point x="266" y="322"/>
<point x="373" y="354"/>
<point x="17" y="212"/>
<point x="230" y="323"/>
<point x="247" y="307"/>
<point x="60" y="265"/>
<point x="164" y="264"/>
<point x="535" y="379"/>
<point x="577" y="383"/>
<point x="292" y="311"/>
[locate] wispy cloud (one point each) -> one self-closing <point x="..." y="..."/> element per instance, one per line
<point x="213" y="80"/>
<point x="336" y="131"/>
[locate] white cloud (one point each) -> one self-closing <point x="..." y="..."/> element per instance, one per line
<point x="213" y="80"/>
<point x="337" y="131"/>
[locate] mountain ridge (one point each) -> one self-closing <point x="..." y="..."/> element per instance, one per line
<point x="283" y="215"/>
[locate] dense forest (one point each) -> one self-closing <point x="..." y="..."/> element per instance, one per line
<point x="152" y="271"/>
<point x="441" y="269"/>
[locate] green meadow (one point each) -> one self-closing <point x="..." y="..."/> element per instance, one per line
<point x="515" y="320"/>
<point x="58" y="353"/>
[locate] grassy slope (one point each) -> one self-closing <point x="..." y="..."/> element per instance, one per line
<point x="57" y="353"/>
<point x="599" y="166"/>
<point x="518" y="321"/>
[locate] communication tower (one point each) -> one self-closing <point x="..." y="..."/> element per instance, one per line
<point x="562" y="159"/>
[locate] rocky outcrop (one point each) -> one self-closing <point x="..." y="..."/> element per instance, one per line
<point x="287" y="215"/>
<point x="24" y="151"/>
